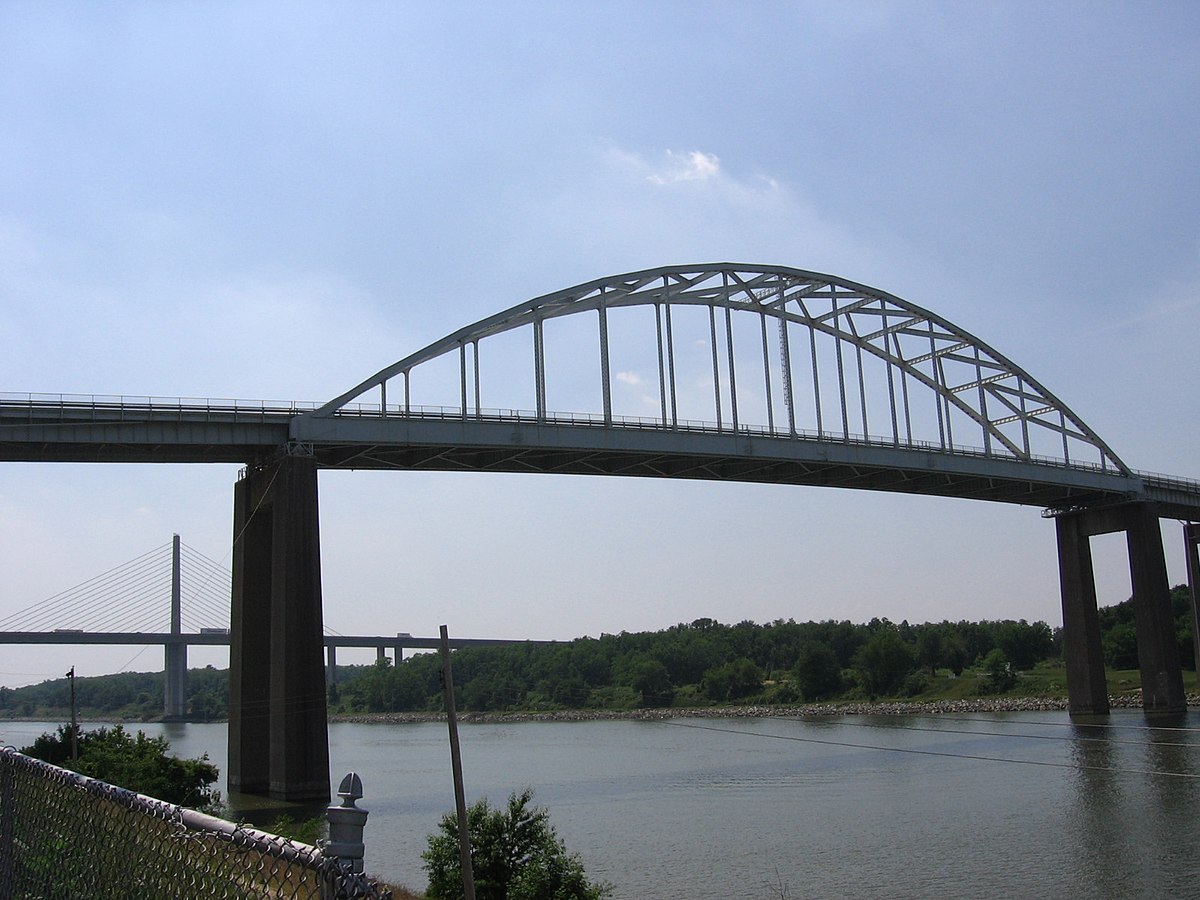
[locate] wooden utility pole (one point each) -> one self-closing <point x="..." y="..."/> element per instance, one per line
<point x="74" y="723"/>
<point x="460" y="803"/>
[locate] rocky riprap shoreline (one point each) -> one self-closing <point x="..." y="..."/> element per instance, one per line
<point x="898" y="708"/>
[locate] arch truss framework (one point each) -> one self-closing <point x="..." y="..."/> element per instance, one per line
<point x="790" y="353"/>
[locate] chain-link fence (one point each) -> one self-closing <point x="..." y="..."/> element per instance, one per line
<point x="64" y="835"/>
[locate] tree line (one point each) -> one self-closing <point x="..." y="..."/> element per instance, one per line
<point x="705" y="662"/>
<point x="702" y="662"/>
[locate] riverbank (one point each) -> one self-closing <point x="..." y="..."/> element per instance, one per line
<point x="806" y="710"/>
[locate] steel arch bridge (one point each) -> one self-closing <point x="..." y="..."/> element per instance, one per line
<point x="723" y="371"/>
<point x="743" y="372"/>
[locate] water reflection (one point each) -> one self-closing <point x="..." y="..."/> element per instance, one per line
<point x="1135" y="803"/>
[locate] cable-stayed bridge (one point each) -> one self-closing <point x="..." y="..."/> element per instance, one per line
<point x="723" y="371"/>
<point x="176" y="597"/>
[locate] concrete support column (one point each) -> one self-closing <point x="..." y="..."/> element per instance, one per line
<point x="175" y="655"/>
<point x="278" y="733"/>
<point x="175" y="686"/>
<point x="1191" y="546"/>
<point x="1087" y="688"/>
<point x="1158" y="652"/>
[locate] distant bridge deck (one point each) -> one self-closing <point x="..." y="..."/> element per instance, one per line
<point x="222" y="639"/>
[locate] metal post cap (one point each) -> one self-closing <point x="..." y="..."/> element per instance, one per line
<point x="350" y="789"/>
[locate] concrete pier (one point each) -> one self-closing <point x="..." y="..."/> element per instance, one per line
<point x="1158" y="654"/>
<point x="278" y="736"/>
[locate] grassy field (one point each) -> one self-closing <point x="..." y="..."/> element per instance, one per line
<point x="1047" y="679"/>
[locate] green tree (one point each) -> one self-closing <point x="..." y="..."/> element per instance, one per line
<point x="1120" y="646"/>
<point x="140" y="763"/>
<point x="998" y="675"/>
<point x="733" y="680"/>
<point x="817" y="673"/>
<point x="515" y="855"/>
<point x="955" y="654"/>
<point x="648" y="677"/>
<point x="930" y="648"/>
<point x="883" y="662"/>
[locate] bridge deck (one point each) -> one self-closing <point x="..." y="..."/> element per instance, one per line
<point x="38" y="428"/>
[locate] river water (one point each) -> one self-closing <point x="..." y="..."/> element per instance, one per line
<point x="978" y="805"/>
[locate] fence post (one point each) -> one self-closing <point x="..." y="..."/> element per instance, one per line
<point x="7" y="812"/>
<point x="346" y="822"/>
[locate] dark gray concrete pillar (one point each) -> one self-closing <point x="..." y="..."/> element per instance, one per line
<point x="250" y="638"/>
<point x="175" y="682"/>
<point x="175" y="655"/>
<point x="1087" y="688"/>
<point x="1158" y="652"/>
<point x="278" y="733"/>
<point x="1191" y="545"/>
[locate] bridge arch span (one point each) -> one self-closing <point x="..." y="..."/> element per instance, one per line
<point x="786" y="352"/>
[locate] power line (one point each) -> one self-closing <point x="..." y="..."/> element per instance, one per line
<point x="941" y="753"/>
<point x="1004" y="734"/>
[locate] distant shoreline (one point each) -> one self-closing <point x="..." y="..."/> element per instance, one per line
<point x="803" y="710"/>
<point x="807" y="710"/>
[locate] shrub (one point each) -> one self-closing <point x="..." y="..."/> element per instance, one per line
<point x="998" y="675"/>
<point x="515" y="855"/>
<point x="138" y="763"/>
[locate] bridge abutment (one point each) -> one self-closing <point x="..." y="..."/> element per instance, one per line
<point x="278" y="733"/>
<point x="1158" y="653"/>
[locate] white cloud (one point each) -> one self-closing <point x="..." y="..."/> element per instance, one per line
<point x="693" y="166"/>
<point x="629" y="378"/>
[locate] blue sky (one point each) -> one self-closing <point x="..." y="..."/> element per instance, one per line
<point x="273" y="201"/>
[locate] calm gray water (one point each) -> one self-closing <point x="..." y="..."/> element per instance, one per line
<point x="1001" y="805"/>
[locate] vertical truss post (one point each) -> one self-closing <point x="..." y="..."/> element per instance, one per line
<point x="383" y="398"/>
<point x="671" y="363"/>
<point x="712" y="331"/>
<point x="407" y="395"/>
<point x="942" y="392"/>
<point x="812" y="346"/>
<point x="936" y="370"/>
<point x="605" y="383"/>
<point x="662" y="377"/>
<point x="899" y="353"/>
<point x="475" y="358"/>
<point x="862" y="387"/>
<point x="841" y="369"/>
<point x="1024" y="418"/>
<point x="462" y="376"/>
<point x="766" y="352"/>
<point x="891" y="382"/>
<point x="987" y="432"/>
<point x="539" y="368"/>
<point x="733" y="409"/>
<point x="785" y="364"/>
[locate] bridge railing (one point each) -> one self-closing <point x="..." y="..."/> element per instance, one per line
<point x="108" y="407"/>
<point x="66" y="835"/>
